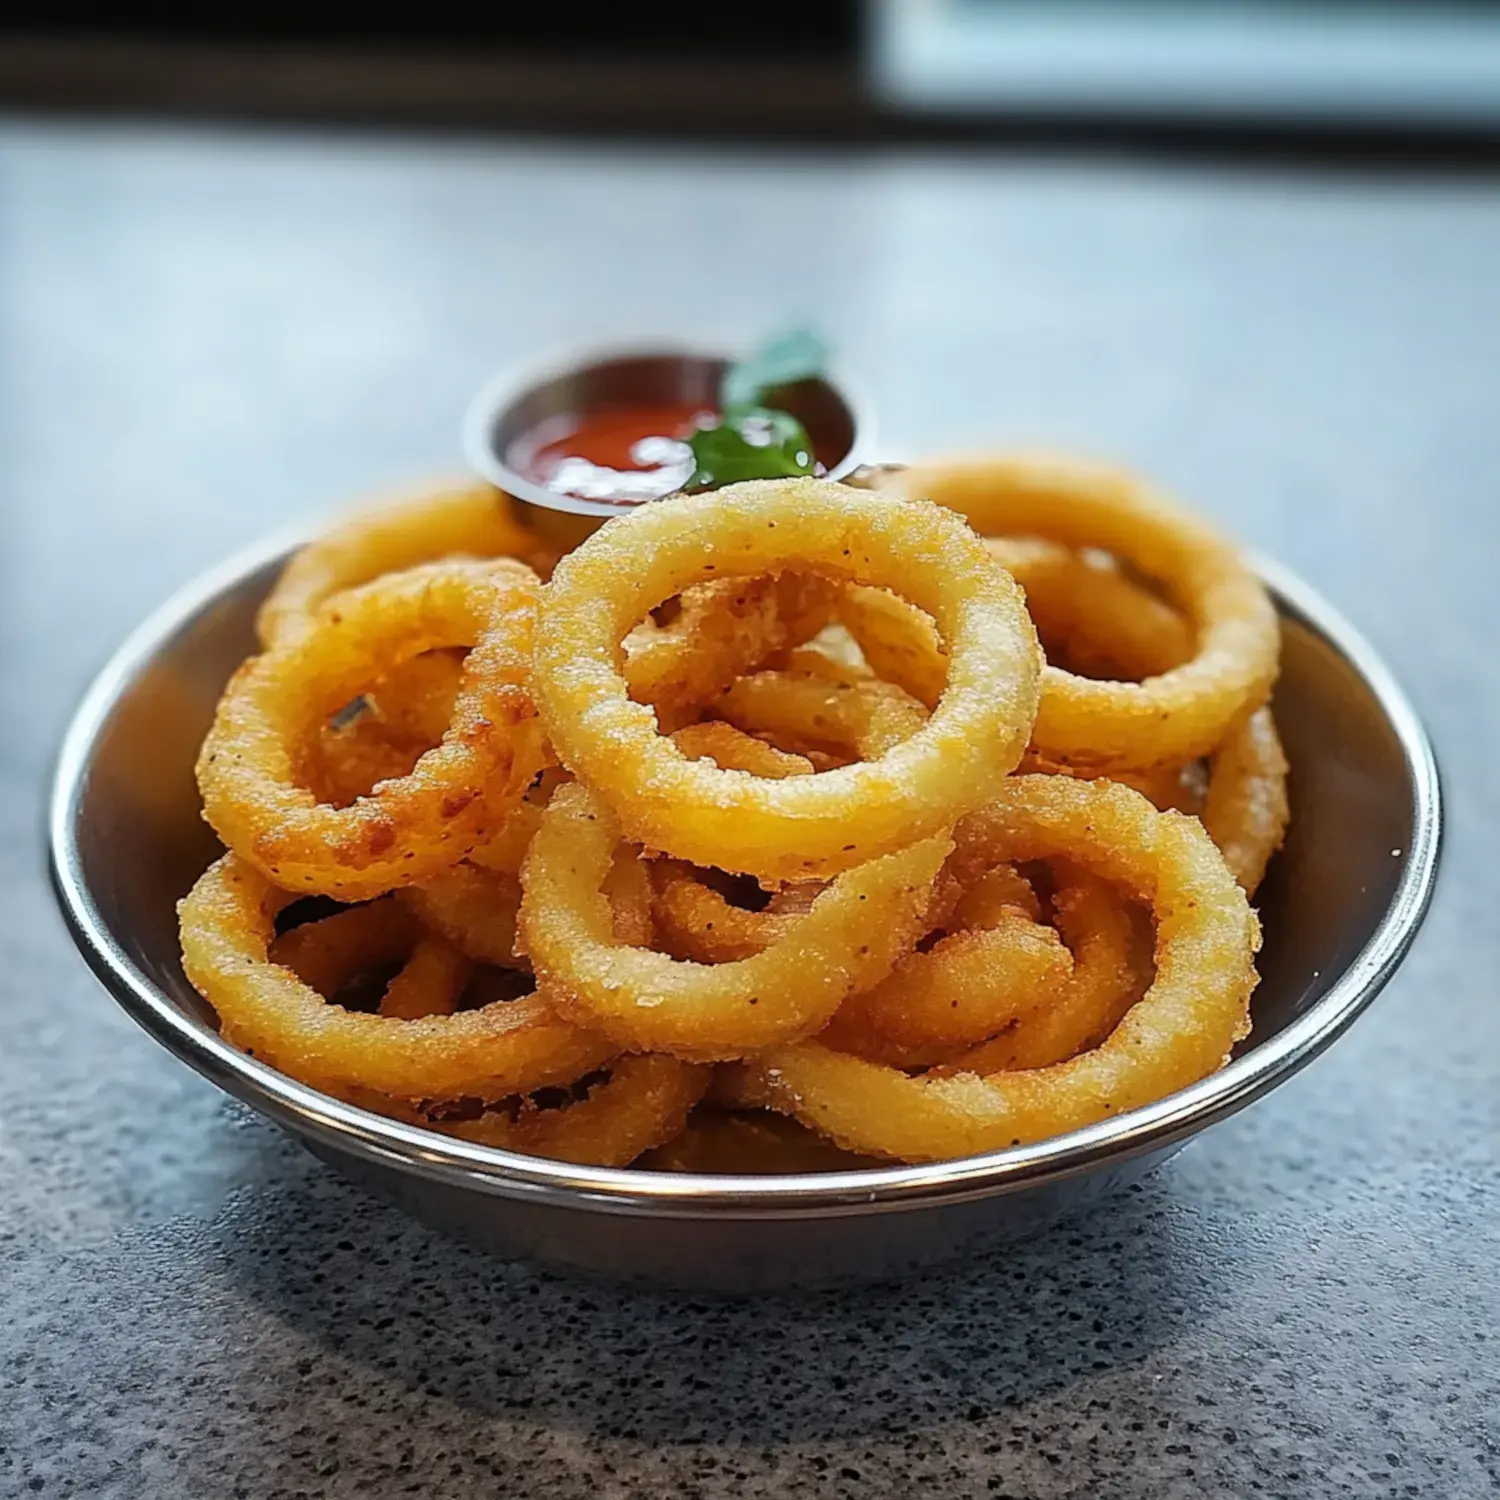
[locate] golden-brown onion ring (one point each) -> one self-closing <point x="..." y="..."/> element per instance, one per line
<point x="627" y="888"/>
<point x="332" y="952"/>
<point x="476" y="907"/>
<point x="1172" y="718"/>
<point x="431" y="981"/>
<point x="732" y="749"/>
<point x="1241" y="796"/>
<point x="457" y="793"/>
<point x="1195" y="1010"/>
<point x="461" y="518"/>
<point x="804" y="825"/>
<point x="395" y="722"/>
<point x="1111" y="969"/>
<point x="329" y="952"/>
<point x="698" y="923"/>
<point x="720" y="629"/>
<point x="1246" y="810"/>
<point x="227" y="923"/>
<point x="473" y="908"/>
<point x="506" y="851"/>
<point x="967" y="987"/>
<point x="991" y="893"/>
<point x="644" y="1102"/>
<point x="647" y="1001"/>
<point x="1108" y="625"/>
<point x="899" y="641"/>
<point x="863" y="718"/>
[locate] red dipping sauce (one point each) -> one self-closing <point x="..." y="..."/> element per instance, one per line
<point x="627" y="454"/>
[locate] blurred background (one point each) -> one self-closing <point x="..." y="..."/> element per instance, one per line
<point x="844" y="67"/>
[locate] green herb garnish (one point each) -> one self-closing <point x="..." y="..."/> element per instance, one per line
<point x="753" y="439"/>
<point x="749" y="442"/>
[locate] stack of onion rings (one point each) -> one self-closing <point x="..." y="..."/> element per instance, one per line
<point x="775" y="778"/>
<point x="1183" y="1028"/>
<point x="650" y="1001"/>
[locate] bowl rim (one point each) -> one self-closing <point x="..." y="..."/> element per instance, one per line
<point x="514" y="382"/>
<point x="505" y="1174"/>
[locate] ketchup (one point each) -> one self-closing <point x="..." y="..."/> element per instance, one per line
<point x="627" y="454"/>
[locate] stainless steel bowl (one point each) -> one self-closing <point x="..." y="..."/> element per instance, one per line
<point x="516" y="401"/>
<point x="1340" y="907"/>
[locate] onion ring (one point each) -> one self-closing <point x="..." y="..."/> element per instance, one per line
<point x="967" y="987"/>
<point x="328" y="954"/>
<point x="1246" y="809"/>
<point x="804" y="825"/>
<point x="1195" y="1010"/>
<point x="474" y="909"/>
<point x="899" y="641"/>
<point x="647" y="1001"/>
<point x="697" y="923"/>
<point x="1111" y="970"/>
<point x="863" y="718"/>
<point x="1105" y="623"/>
<point x="1241" y="798"/>
<point x="644" y="1102"/>
<point x="227" y="924"/>
<point x="627" y="888"/>
<point x="458" y="519"/>
<point x="732" y="749"/>
<point x="456" y="794"/>
<point x="720" y="630"/>
<point x="1171" y="718"/>
<point x="393" y="724"/>
<point x="506" y="851"/>
<point x="993" y="892"/>
<point x="431" y="981"/>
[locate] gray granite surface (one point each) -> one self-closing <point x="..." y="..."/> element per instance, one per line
<point x="204" y="336"/>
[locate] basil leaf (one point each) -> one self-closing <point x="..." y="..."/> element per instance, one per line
<point x="796" y="355"/>
<point x="749" y="442"/>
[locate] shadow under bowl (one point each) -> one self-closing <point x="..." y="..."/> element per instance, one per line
<point x="1340" y="906"/>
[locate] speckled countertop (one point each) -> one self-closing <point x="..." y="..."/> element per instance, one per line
<point x="202" y="337"/>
